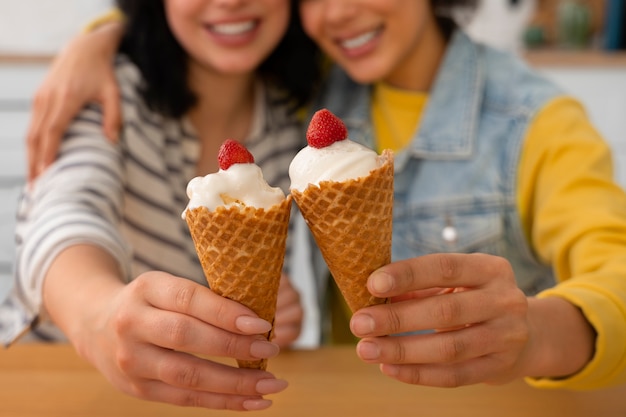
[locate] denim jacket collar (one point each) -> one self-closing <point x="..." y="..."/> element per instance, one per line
<point x="437" y="139"/>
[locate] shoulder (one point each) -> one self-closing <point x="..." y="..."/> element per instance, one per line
<point x="128" y="75"/>
<point x="565" y="120"/>
<point x="510" y="83"/>
<point x="131" y="83"/>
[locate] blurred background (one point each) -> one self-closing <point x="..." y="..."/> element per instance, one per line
<point x="580" y="44"/>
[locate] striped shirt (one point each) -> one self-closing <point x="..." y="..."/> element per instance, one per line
<point x="128" y="198"/>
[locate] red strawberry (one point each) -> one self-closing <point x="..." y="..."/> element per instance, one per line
<point x="325" y="129"/>
<point x="232" y="152"/>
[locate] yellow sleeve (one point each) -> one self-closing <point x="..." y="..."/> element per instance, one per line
<point x="112" y="16"/>
<point x="575" y="217"/>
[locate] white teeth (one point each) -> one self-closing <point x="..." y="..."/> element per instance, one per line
<point x="359" y="40"/>
<point x="233" y="28"/>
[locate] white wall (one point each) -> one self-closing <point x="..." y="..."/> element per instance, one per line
<point x="500" y="24"/>
<point x="43" y="26"/>
<point x="17" y="85"/>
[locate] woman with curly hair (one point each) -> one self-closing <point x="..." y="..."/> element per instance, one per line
<point x="509" y="232"/>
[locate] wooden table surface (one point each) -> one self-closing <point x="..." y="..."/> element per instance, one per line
<point x="51" y="380"/>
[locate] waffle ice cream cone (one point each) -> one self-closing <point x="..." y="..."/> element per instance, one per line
<point x="351" y="222"/>
<point x="242" y="250"/>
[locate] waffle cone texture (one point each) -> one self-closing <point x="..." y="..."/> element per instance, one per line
<point x="351" y="222"/>
<point x="242" y="250"/>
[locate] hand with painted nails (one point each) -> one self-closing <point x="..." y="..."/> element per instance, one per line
<point x="155" y="338"/>
<point x="460" y="319"/>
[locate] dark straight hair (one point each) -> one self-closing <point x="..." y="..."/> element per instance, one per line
<point x="293" y="67"/>
<point x="443" y="10"/>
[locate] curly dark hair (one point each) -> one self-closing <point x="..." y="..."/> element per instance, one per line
<point x="294" y="66"/>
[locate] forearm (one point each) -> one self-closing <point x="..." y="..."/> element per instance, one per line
<point x="561" y="340"/>
<point x="81" y="280"/>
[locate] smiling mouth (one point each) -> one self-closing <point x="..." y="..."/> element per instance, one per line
<point x="359" y="41"/>
<point x="233" y="29"/>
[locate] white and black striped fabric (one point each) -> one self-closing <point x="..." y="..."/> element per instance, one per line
<point x="127" y="198"/>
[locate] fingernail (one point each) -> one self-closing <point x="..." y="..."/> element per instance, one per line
<point x="381" y="282"/>
<point x="263" y="349"/>
<point x="252" y="325"/>
<point x="368" y="350"/>
<point x="270" y="386"/>
<point x="362" y="324"/>
<point x="389" y="369"/>
<point x="255" y="405"/>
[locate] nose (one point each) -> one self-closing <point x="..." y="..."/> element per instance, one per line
<point x="337" y="11"/>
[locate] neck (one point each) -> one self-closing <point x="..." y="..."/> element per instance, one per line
<point x="419" y="69"/>
<point x="224" y="110"/>
<point x="222" y="99"/>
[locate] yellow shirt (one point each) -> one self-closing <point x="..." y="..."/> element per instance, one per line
<point x="396" y="115"/>
<point x="585" y="243"/>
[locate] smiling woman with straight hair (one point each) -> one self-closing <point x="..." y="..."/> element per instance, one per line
<point x="102" y="251"/>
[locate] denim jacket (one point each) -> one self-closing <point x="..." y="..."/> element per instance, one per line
<point x="456" y="183"/>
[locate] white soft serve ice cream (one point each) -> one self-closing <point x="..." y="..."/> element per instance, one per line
<point x="337" y="162"/>
<point x="240" y="184"/>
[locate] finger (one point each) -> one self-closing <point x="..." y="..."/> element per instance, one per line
<point x="48" y="150"/>
<point x="112" y="113"/>
<point x="441" y="347"/>
<point x="441" y="311"/>
<point x="291" y="314"/>
<point x="449" y="375"/>
<point x="284" y="336"/>
<point x="429" y="292"/>
<point x="54" y="127"/>
<point x="187" y="297"/>
<point x="287" y="295"/>
<point x="446" y="270"/>
<point x="39" y="113"/>
<point x="189" y="372"/>
<point x="185" y="333"/>
<point x="288" y="325"/>
<point x="161" y="392"/>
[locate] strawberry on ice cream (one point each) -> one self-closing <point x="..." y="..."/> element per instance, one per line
<point x="239" y="181"/>
<point x="330" y="155"/>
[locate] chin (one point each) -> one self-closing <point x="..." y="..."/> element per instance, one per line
<point x="237" y="68"/>
<point x="362" y="76"/>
